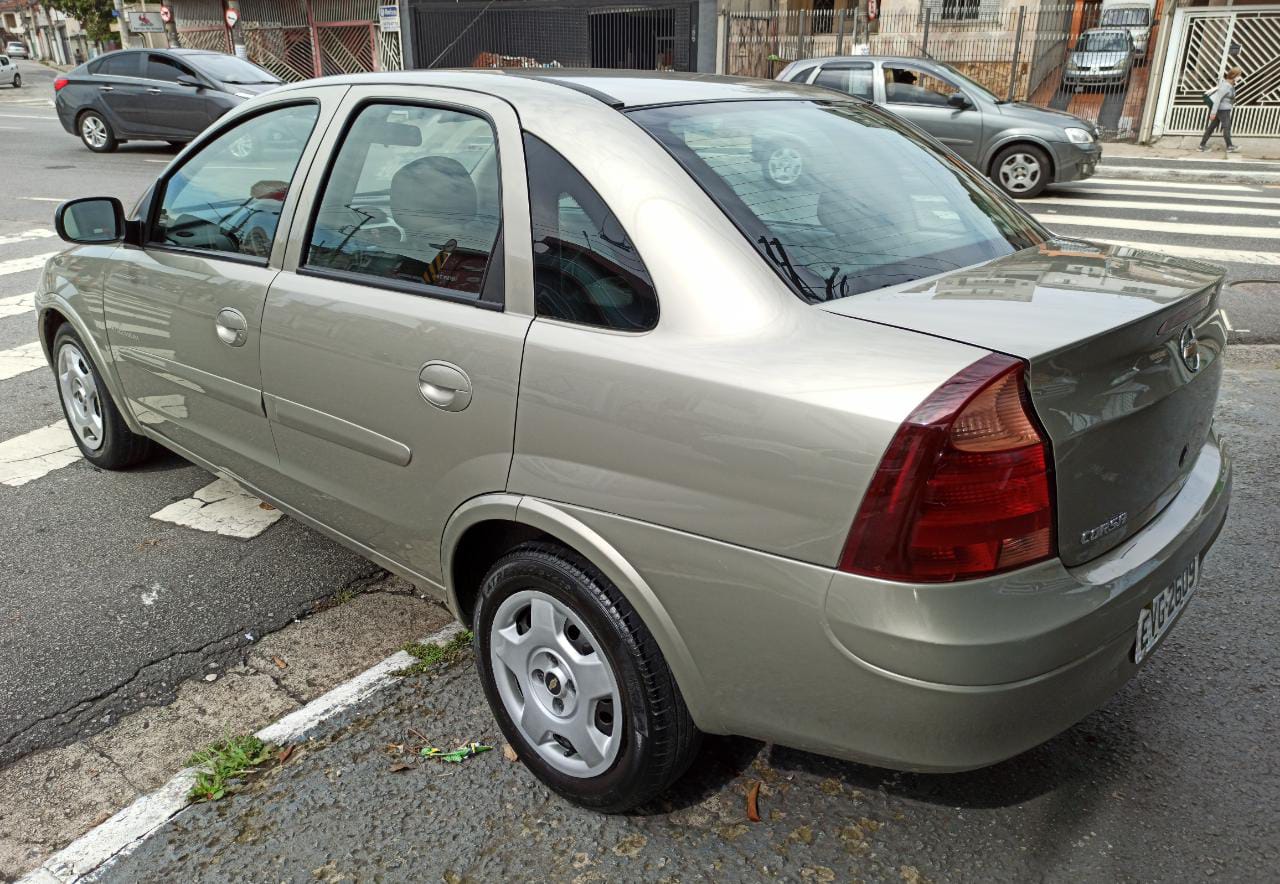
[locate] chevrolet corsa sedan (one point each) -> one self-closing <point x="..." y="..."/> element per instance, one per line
<point x="870" y="465"/>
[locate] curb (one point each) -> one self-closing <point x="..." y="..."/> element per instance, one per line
<point x="118" y="836"/>
<point x="1163" y="173"/>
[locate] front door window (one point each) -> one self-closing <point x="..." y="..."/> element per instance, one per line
<point x="904" y="84"/>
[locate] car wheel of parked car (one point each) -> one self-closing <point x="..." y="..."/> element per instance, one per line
<point x="17" y="81"/>
<point x="576" y="681"/>
<point x="96" y="133"/>
<point x="1021" y="170"/>
<point x="96" y="423"/>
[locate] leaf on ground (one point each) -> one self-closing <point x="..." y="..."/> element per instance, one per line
<point x="401" y="765"/>
<point x="265" y="506"/>
<point x="753" y="802"/>
<point x="284" y="754"/>
<point x="280" y="664"/>
<point x="509" y="752"/>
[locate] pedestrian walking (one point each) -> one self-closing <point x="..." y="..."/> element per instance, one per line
<point x="1220" y="100"/>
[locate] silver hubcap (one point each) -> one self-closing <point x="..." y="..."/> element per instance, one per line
<point x="242" y="147"/>
<point x="785" y="165"/>
<point x="1020" y="172"/>
<point x="94" y="131"/>
<point x="555" y="684"/>
<point x="80" y="396"/>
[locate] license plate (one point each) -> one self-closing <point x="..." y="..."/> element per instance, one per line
<point x="1155" y="619"/>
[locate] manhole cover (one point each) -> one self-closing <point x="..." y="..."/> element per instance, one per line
<point x="1257" y="286"/>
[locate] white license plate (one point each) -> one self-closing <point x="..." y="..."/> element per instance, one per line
<point x="1155" y="619"/>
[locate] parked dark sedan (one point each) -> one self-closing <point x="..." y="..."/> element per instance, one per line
<point x="154" y="95"/>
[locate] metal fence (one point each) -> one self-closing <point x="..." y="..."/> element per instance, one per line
<point x="554" y="33"/>
<point x="1058" y="56"/>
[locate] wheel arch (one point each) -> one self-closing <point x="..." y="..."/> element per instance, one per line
<point x="1021" y="138"/>
<point x="484" y="528"/>
<point x="53" y="316"/>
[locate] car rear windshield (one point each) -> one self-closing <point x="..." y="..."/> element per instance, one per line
<point x="1103" y="43"/>
<point x="1126" y="17"/>
<point x="840" y="197"/>
<point x="229" y="69"/>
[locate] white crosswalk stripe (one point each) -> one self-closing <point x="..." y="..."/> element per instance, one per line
<point x="1109" y="183"/>
<point x="1079" y="192"/>
<point x="37" y="453"/>
<point x="1193" y="208"/>
<point x="221" y="507"/>
<point x="19" y="360"/>
<point x="26" y="236"/>
<point x="21" y="265"/>
<point x="16" y="305"/>
<point x="1056" y="221"/>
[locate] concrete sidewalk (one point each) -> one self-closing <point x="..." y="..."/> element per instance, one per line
<point x="1256" y="164"/>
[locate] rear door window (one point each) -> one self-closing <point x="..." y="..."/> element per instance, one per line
<point x="852" y="79"/>
<point x="412" y="201"/>
<point x="120" y="64"/>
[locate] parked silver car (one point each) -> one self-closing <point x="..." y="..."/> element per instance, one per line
<point x="1023" y="148"/>
<point x="16" y="49"/>
<point x="9" y="73"/>
<point x="1101" y="57"/>
<point x="870" y="465"/>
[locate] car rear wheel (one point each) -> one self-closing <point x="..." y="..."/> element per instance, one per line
<point x="1021" y="170"/>
<point x="96" y="133"/>
<point x="17" y="81"/>
<point x="576" y="681"/>
<point x="96" y="423"/>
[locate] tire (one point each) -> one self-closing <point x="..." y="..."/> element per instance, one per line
<point x="1022" y="171"/>
<point x="596" y="639"/>
<point x="95" y="132"/>
<point x="99" y="429"/>
<point x="17" y="81"/>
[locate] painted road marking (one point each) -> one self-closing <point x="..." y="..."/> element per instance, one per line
<point x="1215" y="230"/>
<point x="1194" y="208"/>
<point x="1225" y="174"/>
<point x="26" y="236"/>
<point x="1103" y="183"/>
<point x="1162" y="194"/>
<point x="221" y="507"/>
<point x="1200" y="253"/>
<point x="35" y="454"/>
<point x="21" y="265"/>
<point x="17" y="304"/>
<point x="20" y="360"/>
<point x="46" y="199"/>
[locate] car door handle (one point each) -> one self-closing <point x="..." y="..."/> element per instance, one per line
<point x="445" y="386"/>
<point x="233" y="329"/>
<point x="107" y="88"/>
<point x="154" y="90"/>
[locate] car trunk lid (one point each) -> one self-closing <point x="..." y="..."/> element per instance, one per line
<point x="1123" y="347"/>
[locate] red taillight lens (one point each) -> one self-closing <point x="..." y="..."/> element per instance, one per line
<point x="59" y="83"/>
<point x="964" y="488"/>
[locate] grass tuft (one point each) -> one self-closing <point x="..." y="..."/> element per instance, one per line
<point x="222" y="762"/>
<point x="433" y="655"/>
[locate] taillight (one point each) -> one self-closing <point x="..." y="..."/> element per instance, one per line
<point x="964" y="488"/>
<point x="59" y="83"/>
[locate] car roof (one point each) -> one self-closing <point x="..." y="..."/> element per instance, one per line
<point x="895" y="59"/>
<point x="616" y="88"/>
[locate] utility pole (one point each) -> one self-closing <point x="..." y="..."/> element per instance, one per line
<point x="122" y="20"/>
<point x="237" y="29"/>
<point x="169" y="16"/>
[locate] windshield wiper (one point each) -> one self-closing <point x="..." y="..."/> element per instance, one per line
<point x="776" y="252"/>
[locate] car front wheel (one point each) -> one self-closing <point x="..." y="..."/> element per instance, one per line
<point x="17" y="81"/>
<point x="96" y="423"/>
<point x="576" y="681"/>
<point x="96" y="133"/>
<point x="1021" y="170"/>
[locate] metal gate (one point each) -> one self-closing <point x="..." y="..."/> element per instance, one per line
<point x="1211" y="41"/>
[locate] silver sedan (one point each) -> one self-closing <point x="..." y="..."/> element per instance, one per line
<point x="856" y="458"/>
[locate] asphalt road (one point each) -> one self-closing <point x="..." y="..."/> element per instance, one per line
<point x="1176" y="779"/>
<point x="105" y="608"/>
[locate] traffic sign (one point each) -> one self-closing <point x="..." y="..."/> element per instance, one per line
<point x="233" y="16"/>
<point x="166" y="14"/>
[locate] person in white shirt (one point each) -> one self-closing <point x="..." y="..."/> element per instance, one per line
<point x="1220" y="100"/>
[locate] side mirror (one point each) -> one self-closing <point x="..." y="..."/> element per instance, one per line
<point x="93" y="220"/>
<point x="957" y="99"/>
<point x="188" y="80"/>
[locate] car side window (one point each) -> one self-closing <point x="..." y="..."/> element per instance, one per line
<point x="119" y="64"/>
<point x="850" y="80"/>
<point x="219" y="202"/>
<point x="412" y="200"/>
<point x="160" y="67"/>
<point x="585" y="267"/>
<point x="908" y="85"/>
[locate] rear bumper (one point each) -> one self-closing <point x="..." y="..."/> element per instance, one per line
<point x="916" y="677"/>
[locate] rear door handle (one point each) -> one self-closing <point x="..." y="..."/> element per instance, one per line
<point x="445" y="386"/>
<point x="154" y="90"/>
<point x="107" y="88"/>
